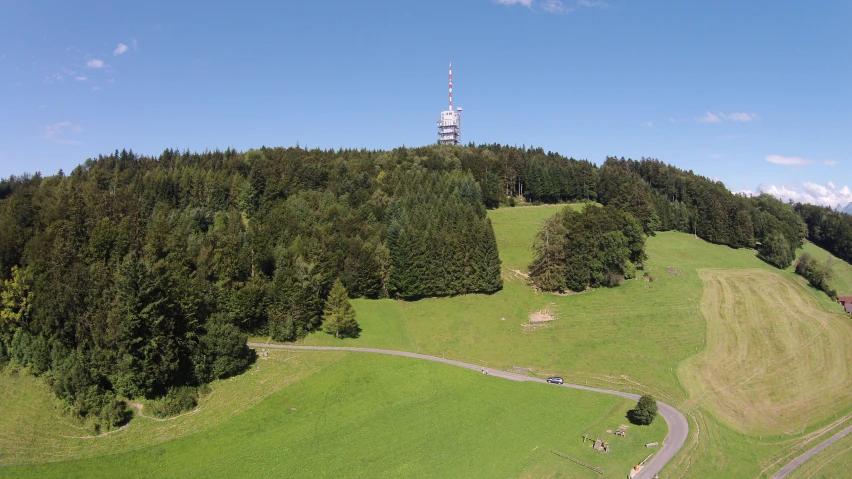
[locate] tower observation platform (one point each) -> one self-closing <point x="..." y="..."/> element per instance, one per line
<point x="449" y="123"/>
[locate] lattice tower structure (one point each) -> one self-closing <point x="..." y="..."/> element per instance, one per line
<point x="449" y="123"/>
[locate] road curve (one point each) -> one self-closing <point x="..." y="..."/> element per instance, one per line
<point x="677" y="423"/>
<point x="795" y="463"/>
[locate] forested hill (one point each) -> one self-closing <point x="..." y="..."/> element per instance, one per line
<point x="135" y="275"/>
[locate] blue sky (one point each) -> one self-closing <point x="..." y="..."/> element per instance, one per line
<point x="756" y="94"/>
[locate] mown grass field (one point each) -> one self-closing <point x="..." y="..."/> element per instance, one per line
<point x="357" y="415"/>
<point x="635" y="337"/>
<point x="775" y="360"/>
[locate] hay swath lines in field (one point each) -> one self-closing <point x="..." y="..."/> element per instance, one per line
<point x="775" y="361"/>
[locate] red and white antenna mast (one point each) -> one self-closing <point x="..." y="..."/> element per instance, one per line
<point x="451" y="85"/>
<point x="449" y="123"/>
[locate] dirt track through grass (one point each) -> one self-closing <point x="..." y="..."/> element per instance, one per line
<point x="775" y="360"/>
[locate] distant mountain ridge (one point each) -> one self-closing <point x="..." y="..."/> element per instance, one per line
<point x="848" y="209"/>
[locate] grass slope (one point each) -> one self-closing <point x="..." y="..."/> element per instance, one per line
<point x="775" y="361"/>
<point x="638" y="337"/>
<point x="34" y="429"/>
<point x="842" y="280"/>
<point x="831" y="463"/>
<point x="516" y="228"/>
<point x="374" y="416"/>
<point x="604" y="337"/>
<point x="634" y="337"/>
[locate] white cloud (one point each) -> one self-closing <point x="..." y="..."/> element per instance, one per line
<point x="54" y="78"/>
<point x="95" y="63"/>
<point x="121" y="48"/>
<point x="135" y="45"/>
<point x="710" y="118"/>
<point x="735" y="116"/>
<point x="96" y="88"/>
<point x="58" y="132"/>
<point x="81" y="78"/>
<point x="555" y="6"/>
<point x="648" y="124"/>
<point x="808" y="192"/>
<point x="788" y="160"/>
<point x="716" y="156"/>
<point x="51" y="131"/>
<point x="831" y="162"/>
<point x="740" y="116"/>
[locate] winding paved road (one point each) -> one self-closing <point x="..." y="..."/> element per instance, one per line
<point x="795" y="463"/>
<point x="678" y="426"/>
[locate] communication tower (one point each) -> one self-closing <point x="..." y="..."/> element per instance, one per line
<point x="449" y="123"/>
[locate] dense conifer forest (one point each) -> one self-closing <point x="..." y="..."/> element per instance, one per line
<point x="134" y="276"/>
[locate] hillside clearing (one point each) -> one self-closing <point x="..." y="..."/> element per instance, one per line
<point x="632" y="338"/>
<point x="775" y="361"/>
<point x="516" y="228"/>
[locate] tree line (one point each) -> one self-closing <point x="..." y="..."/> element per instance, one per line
<point x="828" y="229"/>
<point x="661" y="197"/>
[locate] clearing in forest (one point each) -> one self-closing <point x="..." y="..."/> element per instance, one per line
<point x="775" y="361"/>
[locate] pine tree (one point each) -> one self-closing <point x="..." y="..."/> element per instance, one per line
<point x="339" y="315"/>
<point x="548" y="269"/>
<point x="489" y="271"/>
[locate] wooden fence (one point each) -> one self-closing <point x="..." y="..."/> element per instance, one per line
<point x="591" y="468"/>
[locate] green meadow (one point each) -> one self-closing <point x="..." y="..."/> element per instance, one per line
<point x="635" y="338"/>
<point x="632" y="337"/>
<point x="842" y="281"/>
<point x="831" y="463"/>
<point x="358" y="415"/>
<point x="331" y="414"/>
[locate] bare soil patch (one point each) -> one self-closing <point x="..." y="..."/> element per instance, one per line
<point x="674" y="272"/>
<point x="542" y="316"/>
